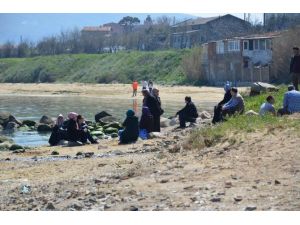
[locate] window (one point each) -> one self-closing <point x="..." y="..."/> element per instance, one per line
<point x="233" y="46"/>
<point x="220" y="47"/>
<point x="262" y="44"/>
<point x="246" y="45"/>
<point x="256" y="44"/>
<point x="268" y="43"/>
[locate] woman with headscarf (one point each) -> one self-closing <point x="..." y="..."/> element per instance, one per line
<point x="146" y="121"/>
<point x="130" y="133"/>
<point x="84" y="132"/>
<point x="58" y="132"/>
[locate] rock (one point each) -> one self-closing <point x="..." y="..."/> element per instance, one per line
<point x="88" y="154"/>
<point x="277" y="182"/>
<point x="5" y="139"/>
<point x="110" y="130"/>
<point x="18" y="151"/>
<point x="155" y="135"/>
<point x="15" y="147"/>
<point x="205" y="115"/>
<point x="176" y="137"/>
<point x="74" y="144"/>
<point x="46" y="120"/>
<point x="250" y="208"/>
<point x="55" y="153"/>
<point x="258" y="87"/>
<point x="107" y="120"/>
<point x="4" y="118"/>
<point x="11" y="126"/>
<point x="76" y="205"/>
<point x="97" y="133"/>
<point x="7" y="159"/>
<point x="164" y="122"/>
<point x="251" y="113"/>
<point x="101" y="115"/>
<point x="113" y="124"/>
<point x="238" y="198"/>
<point x="44" y="128"/>
<point x="114" y="135"/>
<point x="133" y="208"/>
<point x="163" y="181"/>
<point x="24" y="128"/>
<point x="50" y="206"/>
<point x="29" y="123"/>
<point x="117" y="152"/>
<point x="79" y="153"/>
<point x="174" y="149"/>
<point x="215" y="199"/>
<point x="228" y="184"/>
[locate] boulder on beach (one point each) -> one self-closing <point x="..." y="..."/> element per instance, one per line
<point x="46" y="120"/>
<point x="29" y="123"/>
<point x="44" y="128"/>
<point x="205" y="115"/>
<point x="11" y="126"/>
<point x="6" y="117"/>
<point x="97" y="133"/>
<point x="113" y="124"/>
<point x="110" y="130"/>
<point x="107" y="120"/>
<point x="164" y="122"/>
<point x="258" y="87"/>
<point x="15" y="147"/>
<point x="101" y="115"/>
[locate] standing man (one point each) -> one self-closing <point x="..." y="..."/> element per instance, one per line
<point x="153" y="105"/>
<point x="295" y="67"/>
<point x="135" y="85"/>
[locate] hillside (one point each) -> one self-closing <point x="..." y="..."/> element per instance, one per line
<point x="161" y="66"/>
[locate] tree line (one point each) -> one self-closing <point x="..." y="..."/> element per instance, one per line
<point x="152" y="35"/>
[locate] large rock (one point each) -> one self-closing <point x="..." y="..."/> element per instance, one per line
<point x="110" y="130"/>
<point x="46" y="120"/>
<point x="113" y="124"/>
<point x="164" y="122"/>
<point x="15" y="147"/>
<point x="11" y="126"/>
<point x="44" y="128"/>
<point x="6" y="117"/>
<point x="29" y="123"/>
<point x="205" y="115"/>
<point x="258" y="87"/>
<point x="107" y="119"/>
<point x="101" y="115"/>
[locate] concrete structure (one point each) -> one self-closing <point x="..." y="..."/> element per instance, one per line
<point x="240" y="59"/>
<point x="198" y="31"/>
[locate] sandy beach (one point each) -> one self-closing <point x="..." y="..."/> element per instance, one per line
<point x="258" y="171"/>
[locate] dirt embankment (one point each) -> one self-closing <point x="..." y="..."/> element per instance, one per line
<point x="258" y="171"/>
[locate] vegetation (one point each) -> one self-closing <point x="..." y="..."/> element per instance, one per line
<point x="240" y="125"/>
<point x="161" y="66"/>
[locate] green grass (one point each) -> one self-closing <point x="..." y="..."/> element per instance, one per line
<point x="240" y="125"/>
<point x="161" y="66"/>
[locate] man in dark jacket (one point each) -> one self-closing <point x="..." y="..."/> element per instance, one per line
<point x="131" y="128"/>
<point x="188" y="113"/>
<point x="295" y="67"/>
<point x="218" y="108"/>
<point x="151" y="102"/>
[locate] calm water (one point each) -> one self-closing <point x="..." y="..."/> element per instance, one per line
<point x="33" y="107"/>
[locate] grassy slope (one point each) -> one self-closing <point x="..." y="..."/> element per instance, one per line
<point x="243" y="124"/>
<point x="163" y="66"/>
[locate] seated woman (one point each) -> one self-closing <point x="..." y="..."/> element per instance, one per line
<point x="58" y="131"/>
<point x="83" y="129"/>
<point x="146" y="121"/>
<point x="130" y="133"/>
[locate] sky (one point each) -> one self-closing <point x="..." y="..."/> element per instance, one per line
<point x="35" y="26"/>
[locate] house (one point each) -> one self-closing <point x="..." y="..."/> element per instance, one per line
<point x="240" y="59"/>
<point x="106" y="30"/>
<point x="193" y="32"/>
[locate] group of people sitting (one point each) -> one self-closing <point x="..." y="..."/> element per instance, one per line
<point x="73" y="129"/>
<point x="233" y="103"/>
